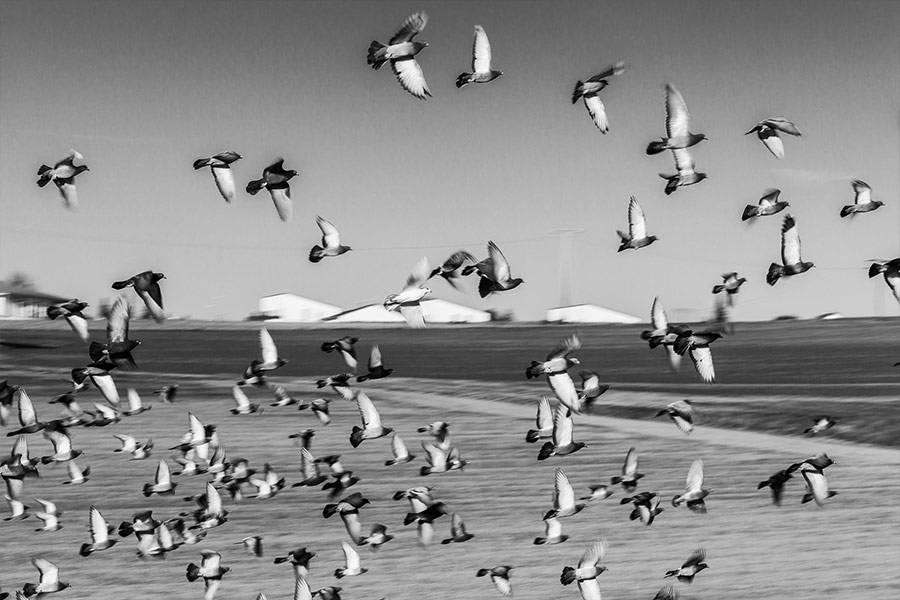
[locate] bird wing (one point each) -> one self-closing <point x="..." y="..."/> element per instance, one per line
<point x="565" y="347"/>
<point x="419" y="274"/>
<point x="375" y="358"/>
<point x="617" y="68"/>
<point x="437" y="456"/>
<point x="107" y="388"/>
<point x="553" y="528"/>
<point x="49" y="573"/>
<point x="502" y="584"/>
<point x="790" y="242"/>
<point x="597" y="111"/>
<point x="80" y="326"/>
<point x="544" y="414"/>
<point x="411" y="77"/>
<point x="696" y="557"/>
<point x="330" y="236"/>
<point x="637" y="226"/>
<point x="564" y="388"/>
<point x="240" y="398"/>
<point x="563" y="426"/>
<point x="370" y="417"/>
<point x="398" y="447"/>
<point x="499" y="264"/>
<point x="117" y="321"/>
<point x="351" y="557"/>
<point x="162" y="472"/>
<point x="62" y="443"/>
<point x="413" y="315"/>
<point x="630" y="466"/>
<point x="658" y="317"/>
<point x="301" y="588"/>
<point x="281" y="197"/>
<point x="481" y="52"/>
<point x="863" y="192"/>
<point x="694" y="481"/>
<point x="772" y="141"/>
<point x="702" y="358"/>
<point x="589" y="588"/>
<point x="412" y="26"/>
<point x="269" y="351"/>
<point x="783" y="124"/>
<point x="594" y="554"/>
<point x="99" y="527"/>
<point x="684" y="162"/>
<point x="27" y="416"/>
<point x="197" y="431"/>
<point x="224" y="178"/>
<point x="817" y="484"/>
<point x="308" y="464"/>
<point x="770" y="198"/>
<point x="564" y="495"/>
<point x="134" y="400"/>
<point x="354" y="527"/>
<point x="678" y="119"/>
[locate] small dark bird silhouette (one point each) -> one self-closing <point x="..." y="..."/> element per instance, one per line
<point x="63" y="175"/>
<point x="776" y="483"/>
<point x="146" y="285"/>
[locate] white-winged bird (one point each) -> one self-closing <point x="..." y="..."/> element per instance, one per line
<point x="481" y="61"/>
<point x="769" y="204"/>
<point x="891" y="271"/>
<point x="588" y="90"/>
<point x="331" y="242"/>
<point x="693" y="565"/>
<point x="210" y="569"/>
<point x="862" y="201"/>
<point x="678" y="125"/>
<point x="768" y="133"/>
<point x="494" y="272"/>
<point x="71" y="310"/>
<point x="792" y="264"/>
<point x="146" y="285"/>
<point x="694" y="492"/>
<point x="275" y="179"/>
<point x="637" y="229"/>
<point x="401" y="51"/>
<point x="408" y="300"/>
<point x="220" y="166"/>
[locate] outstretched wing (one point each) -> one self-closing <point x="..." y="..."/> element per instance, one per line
<point x="269" y="351"/>
<point x="637" y="226"/>
<point x="694" y="481"/>
<point x="412" y="26"/>
<point x="481" y="52"/>
<point x="678" y="119"/>
<point x="790" y="242"/>
<point x="330" y="236"/>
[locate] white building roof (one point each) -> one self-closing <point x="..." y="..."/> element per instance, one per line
<point x="434" y="310"/>
<point x="589" y="313"/>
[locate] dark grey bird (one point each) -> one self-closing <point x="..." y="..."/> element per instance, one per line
<point x="118" y="345"/>
<point x="637" y="228"/>
<point x="589" y="90"/>
<point x="63" y="174"/>
<point x="557" y="360"/>
<point x="499" y="577"/>
<point x="401" y="52"/>
<point x="630" y="475"/>
<point x="71" y="310"/>
<point x="776" y="483"/>
<point x="792" y="264"/>
<point x="481" y="61"/>
<point x="768" y="133"/>
<point x="694" y="493"/>
<point x="146" y="285"/>
<point x="769" y="204"/>
<point x="220" y="166"/>
<point x="210" y="569"/>
<point x="100" y="532"/>
<point x="494" y="272"/>
<point x="299" y="558"/>
<point x="452" y="268"/>
<point x="552" y="533"/>
<point x="891" y="271"/>
<point x="591" y="388"/>
<point x="346" y="346"/>
<point x="275" y="179"/>
<point x="678" y="125"/>
<point x="348" y="509"/>
<point x="458" y="532"/>
<point x="562" y="443"/>
<point x="697" y="346"/>
<point x="693" y="565"/>
<point x="543" y="422"/>
<point x="862" y="201"/>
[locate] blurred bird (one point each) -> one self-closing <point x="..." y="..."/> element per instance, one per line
<point x="587" y="571"/>
<point x="270" y="360"/>
<point x="481" y="61"/>
<point x="816" y="485"/>
<point x="776" y="482"/>
<point x="49" y="515"/>
<point x="268" y="483"/>
<point x="243" y="406"/>
<point x="494" y="273"/>
<point x="220" y="166"/>
<point x="637" y="229"/>
<point x="630" y="476"/>
<point x="135" y="404"/>
<point x="891" y="271"/>
<point x="562" y="443"/>
<point x="309" y="468"/>
<point x="377" y="538"/>
<point x="767" y="131"/>
<point x="731" y="285"/>
<point x="49" y="579"/>
<point x="100" y="532"/>
<point x="299" y="559"/>
<point x="499" y="577"/>
<point x="666" y="592"/>
<point x="63" y="175"/>
<point x="346" y="347"/>
<point x="77" y="475"/>
<point x="697" y="346"/>
<point x="348" y="509"/>
<point x="371" y="420"/>
<point x="210" y="569"/>
<point x="167" y="393"/>
<point x="792" y="264"/>
<point x="252" y="545"/>
<point x="589" y="89"/>
<point x="563" y="498"/>
<point x="694" y="492"/>
<point x="407" y="301"/>
<point x="401" y="51"/>
<point x="591" y="388"/>
<point x="685" y="174"/>
<point x="557" y="360"/>
<point x="71" y="310"/>
<point x="458" y="531"/>
<point x="15" y="486"/>
<point x="375" y="367"/>
<point x="440" y="430"/>
<point x="862" y="202"/>
<point x="27" y="415"/>
<point x="769" y="204"/>
<point x="678" y="125"/>
<point x="820" y="461"/>
<point x="663" y="334"/>
<point x="340" y="383"/>
<point x="162" y="482"/>
<point x="682" y="414"/>
<point x="552" y="533"/>
<point x="441" y="459"/>
<point x="543" y="422"/>
<point x="452" y="268"/>
<point x="646" y="507"/>
<point x="821" y="424"/>
<point x="331" y="242"/>
<point x="146" y="285"/>
<point x="352" y="564"/>
<point x="693" y="565"/>
<point x="118" y="346"/>
<point x="400" y="452"/>
<point x="62" y="444"/>
<point x="275" y="179"/>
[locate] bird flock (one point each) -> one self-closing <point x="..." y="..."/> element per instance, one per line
<point x="201" y="453"/>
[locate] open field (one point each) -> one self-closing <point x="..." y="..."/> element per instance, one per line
<point x="473" y="379"/>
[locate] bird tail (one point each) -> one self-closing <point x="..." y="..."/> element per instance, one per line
<point x="677" y="501"/>
<point x="375" y="56"/>
<point x="532" y="436"/>
<point x="546" y="451"/>
<point x="85" y="550"/>
<point x="356" y="436"/>
<point x="750" y="211"/>
<point x="534" y="371"/>
<point x="847" y="210"/>
<point x="717" y="289"/>
<point x="567" y="576"/>
<point x="485" y="287"/>
<point x="148" y="489"/>
<point x="671" y="573"/>
<point x="315" y="253"/>
<point x="201" y="162"/>
<point x="774" y="274"/>
<point x="468" y="270"/>
<point x="328" y="347"/>
<point x="874" y="269"/>
<point x="193" y="572"/>
<point x="339" y="573"/>
<point x="463" y="79"/>
<point x="254" y="186"/>
<point x="656" y="147"/>
<point x="96" y="351"/>
<point x="119" y="285"/>
<point x="579" y="90"/>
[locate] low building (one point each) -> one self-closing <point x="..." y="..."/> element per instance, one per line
<point x="589" y="313"/>
<point x="24" y="303"/>
<point x="434" y="310"/>
<point x="295" y="309"/>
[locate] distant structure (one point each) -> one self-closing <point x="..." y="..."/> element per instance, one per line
<point x="25" y="303"/>
<point x="589" y="313"/>
<point x="434" y="311"/>
<point x="295" y="309"/>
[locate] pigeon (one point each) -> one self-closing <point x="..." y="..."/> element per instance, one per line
<point x="377" y="538"/>
<point x="663" y="334"/>
<point x="401" y="51"/>
<point x="630" y="476"/>
<point x="375" y="367"/>
<point x="167" y="393"/>
<point x="77" y="475"/>
<point x="210" y="569"/>
<point x="162" y="482"/>
<point x="563" y="498"/>
<point x="682" y="414"/>
<point x="816" y="484"/>
<point x="14" y="488"/>
<point x="309" y="468"/>
<point x="243" y="406"/>
<point x="481" y="62"/>
<point x="328" y="593"/>
<point x="319" y="408"/>
<point x="346" y="347"/>
<point x="348" y="509"/>
<point x="598" y="492"/>
<point x="340" y="383"/>
<point x="776" y="482"/>
<point x="400" y="452"/>
<point x="252" y="545"/>
<point x="331" y="242"/>
<point x="351" y="563"/>
<point x="769" y="204"/>
<point x="135" y="404"/>
<point x="270" y="359"/>
<point x="557" y="360"/>
<point x="146" y="285"/>
<point x="589" y="89"/>
<point x="275" y="179"/>
<point x="440" y="430"/>
<point x="543" y="422"/>
<point x="49" y="514"/>
<point x="646" y="507"/>
<point x="269" y="484"/>
<point x="819" y="461"/>
<point x="591" y="388"/>
<point x="499" y="577"/>
<point x="371" y="420"/>
<point x="685" y="173"/>
<point x="301" y="587"/>
<point x="62" y="444"/>
<point x="452" y="268"/>
<point x="495" y="275"/>
<point x="282" y="398"/>
<point x="637" y="229"/>
<point x="821" y="424"/>
<point x="71" y="310"/>
<point x="552" y="533"/>
<point x="220" y="166"/>
<point x="562" y="442"/>
<point x="49" y="579"/>
<point x="767" y="131"/>
<point x="118" y="346"/>
<point x="678" y="125"/>
<point x="693" y="565"/>
<point x="891" y="271"/>
<point x="694" y="492"/>
<point x="407" y="301"/>
<point x="100" y="532"/>
<point x="299" y="559"/>
<point x="731" y="285"/>
<point x="27" y="416"/>
<point x="458" y="531"/>
<point x="666" y="592"/>
<point x="862" y="202"/>
<point x="587" y="571"/>
<point x="697" y="346"/>
<point x="441" y="459"/>
<point x="63" y="175"/>
<point x="792" y="264"/>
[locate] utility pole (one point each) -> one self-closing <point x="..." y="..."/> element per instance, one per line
<point x="565" y="263"/>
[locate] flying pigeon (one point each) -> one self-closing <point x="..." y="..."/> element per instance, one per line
<point x="146" y="285"/>
<point x="587" y="571"/>
<point x="270" y="359"/>
<point x="589" y="89"/>
<point x="452" y="268"/>
<point x="891" y="271"/>
<point x="562" y="442"/>
<point x="494" y="273"/>
<point x="563" y="498"/>
<point x="682" y="414"/>
<point x="637" y="228"/>
<point x="162" y="482"/>
<point x="210" y="569"/>
<point x="352" y="564"/>
<point x="275" y="179"/>
<point x="697" y="346"/>
<point x="543" y="422"/>
<point x="685" y="173"/>
<point x="375" y="367"/>
<point x="678" y="125"/>
<point x="630" y="475"/>
<point x="401" y="51"/>
<point x="792" y="264"/>
<point x="100" y="532"/>
<point x="694" y="492"/>
<point x="71" y="310"/>
<point x="557" y="360"/>
<point x="371" y="420"/>
<point x="27" y="415"/>
<point x="118" y="346"/>
<point x="243" y="406"/>
<point x="552" y="533"/>
<point x="331" y="242"/>
<point x="731" y="285"/>
<point x="377" y="538"/>
<point x="49" y="579"/>
<point x="767" y="131"/>
<point x="816" y="484"/>
<point x="458" y="531"/>
<point x="407" y="301"/>
<point x="220" y="166"/>
<point x="862" y="202"/>
<point x="646" y="507"/>
<point x="769" y="204"/>
<point x="63" y="175"/>
<point x="499" y="577"/>
<point x="346" y="347"/>
<point x="776" y="483"/>
<point x="400" y="452"/>
<point x="693" y="565"/>
<point x="481" y="61"/>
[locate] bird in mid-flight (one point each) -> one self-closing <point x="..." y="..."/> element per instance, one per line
<point x="481" y="61"/>
<point x="407" y="301"/>
<point x="494" y="272"/>
<point x="220" y="165"/>
<point x="146" y="285"/>
<point x="637" y="228"/>
<point x="678" y="125"/>
<point x="63" y="175"/>
<point x="275" y="179"/>
<point x="862" y="201"/>
<point x="891" y="271"/>
<point x="401" y="51"/>
<point x="331" y="242"/>
<point x="767" y="132"/>
<point x="792" y="264"/>
<point x="588" y="90"/>
<point x="768" y="205"/>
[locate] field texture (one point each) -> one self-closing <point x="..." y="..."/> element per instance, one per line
<point x="772" y="381"/>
